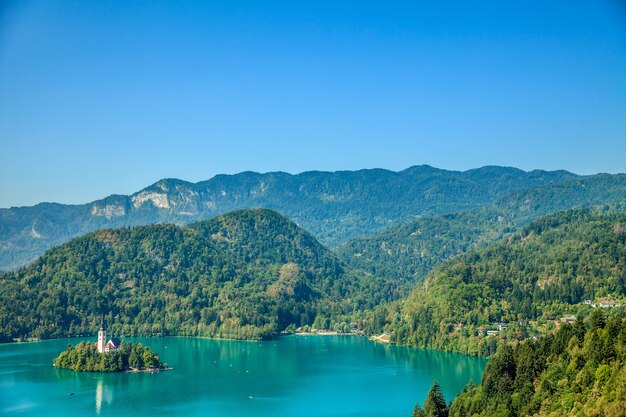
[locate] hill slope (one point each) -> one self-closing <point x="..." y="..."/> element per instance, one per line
<point x="333" y="206"/>
<point x="579" y="371"/>
<point x="535" y="276"/>
<point x="407" y="253"/>
<point x="246" y="274"/>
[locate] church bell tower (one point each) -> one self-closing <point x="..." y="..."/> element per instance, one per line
<point x="102" y="338"/>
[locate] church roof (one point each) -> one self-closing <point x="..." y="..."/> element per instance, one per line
<point x="115" y="342"/>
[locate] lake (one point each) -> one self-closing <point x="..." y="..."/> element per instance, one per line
<point x="295" y="376"/>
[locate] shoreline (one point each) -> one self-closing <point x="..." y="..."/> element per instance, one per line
<point x="123" y="371"/>
<point x="322" y="333"/>
<point x="383" y="338"/>
<point x="374" y="339"/>
<point x="319" y="333"/>
<point x="147" y="371"/>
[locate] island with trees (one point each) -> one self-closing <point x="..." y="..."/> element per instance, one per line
<point x="133" y="357"/>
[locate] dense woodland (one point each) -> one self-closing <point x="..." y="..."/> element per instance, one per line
<point x="253" y="274"/>
<point x="249" y="274"/>
<point x="578" y="371"/>
<point x="86" y="358"/>
<point x="407" y="253"/>
<point x="525" y="282"/>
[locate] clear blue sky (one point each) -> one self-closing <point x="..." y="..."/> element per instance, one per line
<point x="102" y="97"/>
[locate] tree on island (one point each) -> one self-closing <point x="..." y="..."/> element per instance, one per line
<point x="434" y="406"/>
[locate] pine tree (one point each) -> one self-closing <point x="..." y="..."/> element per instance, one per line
<point x="435" y="405"/>
<point x="417" y="411"/>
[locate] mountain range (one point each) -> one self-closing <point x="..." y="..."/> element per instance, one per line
<point x="493" y="261"/>
<point x="254" y="273"/>
<point x="334" y="206"/>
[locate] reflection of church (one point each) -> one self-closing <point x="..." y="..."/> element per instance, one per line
<point x="103" y="345"/>
<point x="103" y="394"/>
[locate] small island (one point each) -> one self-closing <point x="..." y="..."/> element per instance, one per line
<point x="111" y="356"/>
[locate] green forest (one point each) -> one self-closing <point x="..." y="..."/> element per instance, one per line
<point x="253" y="274"/>
<point x="408" y="252"/>
<point x="249" y="274"/>
<point x="578" y="371"/>
<point x="334" y="206"/>
<point x="557" y="266"/>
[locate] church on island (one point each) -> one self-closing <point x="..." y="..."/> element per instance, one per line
<point x="103" y="345"/>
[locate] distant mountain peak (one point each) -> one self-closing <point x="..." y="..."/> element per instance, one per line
<point x="333" y="206"/>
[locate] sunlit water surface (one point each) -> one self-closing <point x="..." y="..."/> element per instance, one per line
<point x="293" y="376"/>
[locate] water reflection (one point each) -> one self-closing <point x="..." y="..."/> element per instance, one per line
<point x="99" y="390"/>
<point x="102" y="394"/>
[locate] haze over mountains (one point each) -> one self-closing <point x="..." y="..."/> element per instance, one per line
<point x="333" y="206"/>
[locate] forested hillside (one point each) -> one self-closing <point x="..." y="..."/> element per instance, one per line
<point x="579" y="371"/>
<point x="334" y="206"/>
<point x="408" y="252"/>
<point x="247" y="274"/>
<point x="524" y="283"/>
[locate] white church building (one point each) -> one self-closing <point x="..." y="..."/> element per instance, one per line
<point x="103" y="345"/>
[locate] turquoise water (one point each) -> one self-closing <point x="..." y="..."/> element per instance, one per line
<point x="292" y="376"/>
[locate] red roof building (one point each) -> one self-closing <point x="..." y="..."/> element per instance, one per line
<point x="112" y="344"/>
